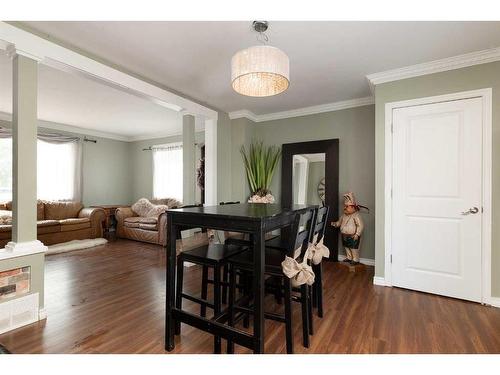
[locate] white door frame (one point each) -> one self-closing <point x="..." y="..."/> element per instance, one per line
<point x="486" y="96"/>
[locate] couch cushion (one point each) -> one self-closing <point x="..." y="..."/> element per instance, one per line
<point x="137" y="221"/>
<point x="148" y="226"/>
<point x="48" y="226"/>
<point x="74" y="224"/>
<point x="5" y="228"/>
<point x="62" y="210"/>
<point x="5" y="217"/>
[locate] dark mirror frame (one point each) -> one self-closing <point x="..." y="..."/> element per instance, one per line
<point x="330" y="148"/>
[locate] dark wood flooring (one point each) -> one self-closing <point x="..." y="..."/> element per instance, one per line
<point x="111" y="299"/>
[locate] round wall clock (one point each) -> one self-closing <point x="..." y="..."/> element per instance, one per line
<point x="321" y="189"/>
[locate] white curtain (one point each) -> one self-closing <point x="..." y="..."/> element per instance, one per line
<point x="5" y="169"/>
<point x="59" y="166"/>
<point x="59" y="170"/>
<point x="167" y="172"/>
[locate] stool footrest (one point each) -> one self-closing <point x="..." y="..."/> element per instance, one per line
<point x="198" y="300"/>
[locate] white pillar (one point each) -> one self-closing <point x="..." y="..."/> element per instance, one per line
<point x="188" y="159"/>
<point x="24" y="149"/>
<point x="211" y="162"/>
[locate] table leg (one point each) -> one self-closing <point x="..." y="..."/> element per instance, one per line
<point x="259" y="288"/>
<point x="170" y="286"/>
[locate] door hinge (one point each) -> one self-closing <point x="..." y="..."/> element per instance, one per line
<point x="391" y="258"/>
<point x="392" y="127"/>
<point x="391" y="192"/>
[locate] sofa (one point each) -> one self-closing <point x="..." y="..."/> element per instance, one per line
<point x="57" y="222"/>
<point x="145" y="220"/>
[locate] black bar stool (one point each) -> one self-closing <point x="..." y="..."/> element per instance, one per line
<point x="299" y="239"/>
<point x="318" y="234"/>
<point x="213" y="256"/>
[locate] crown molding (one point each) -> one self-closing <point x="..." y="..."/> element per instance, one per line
<point x="436" y="66"/>
<point x="322" y="108"/>
<point x="243" y="114"/>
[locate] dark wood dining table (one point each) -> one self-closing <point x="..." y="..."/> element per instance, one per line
<point x="255" y="219"/>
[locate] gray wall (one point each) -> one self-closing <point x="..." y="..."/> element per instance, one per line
<point x="224" y="156"/>
<point x="476" y="77"/>
<point x="242" y="134"/>
<point x="106" y="172"/>
<point x="355" y="129"/>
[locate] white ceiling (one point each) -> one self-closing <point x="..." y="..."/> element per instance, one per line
<point x="72" y="100"/>
<point x="328" y="60"/>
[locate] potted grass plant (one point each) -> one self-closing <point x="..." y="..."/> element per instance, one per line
<point x="260" y="164"/>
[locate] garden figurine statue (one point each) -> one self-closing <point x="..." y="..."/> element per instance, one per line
<point x="351" y="228"/>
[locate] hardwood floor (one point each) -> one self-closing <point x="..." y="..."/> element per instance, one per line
<point x="111" y="299"/>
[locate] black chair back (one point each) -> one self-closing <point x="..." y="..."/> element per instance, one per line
<point x="301" y="232"/>
<point x="320" y="221"/>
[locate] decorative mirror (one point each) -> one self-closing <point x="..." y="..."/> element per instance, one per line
<point x="310" y="176"/>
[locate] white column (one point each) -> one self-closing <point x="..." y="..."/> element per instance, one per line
<point x="188" y="159"/>
<point x="211" y="162"/>
<point x="24" y="149"/>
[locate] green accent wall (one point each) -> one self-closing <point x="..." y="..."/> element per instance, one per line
<point x="106" y="172"/>
<point x="242" y="134"/>
<point x="465" y="79"/>
<point x="355" y="129"/>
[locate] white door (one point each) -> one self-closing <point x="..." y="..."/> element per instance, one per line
<point x="436" y="244"/>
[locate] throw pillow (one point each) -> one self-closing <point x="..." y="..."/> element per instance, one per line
<point x="5" y="217"/>
<point x="157" y="210"/>
<point x="142" y="207"/>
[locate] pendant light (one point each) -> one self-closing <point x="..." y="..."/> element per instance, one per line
<point x="261" y="70"/>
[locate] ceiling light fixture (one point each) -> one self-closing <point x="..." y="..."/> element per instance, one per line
<point x="260" y="70"/>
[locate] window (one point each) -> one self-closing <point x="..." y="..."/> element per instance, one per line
<point x="5" y="169"/>
<point x="167" y="171"/>
<point x="58" y="171"/>
<point x="58" y="168"/>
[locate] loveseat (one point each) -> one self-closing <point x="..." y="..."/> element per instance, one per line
<point x="145" y="220"/>
<point x="57" y="222"/>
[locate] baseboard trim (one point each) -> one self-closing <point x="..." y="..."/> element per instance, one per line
<point x="368" y="262"/>
<point x="42" y="314"/>
<point x="494" y="301"/>
<point x="380" y="281"/>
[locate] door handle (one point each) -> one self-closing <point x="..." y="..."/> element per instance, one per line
<point x="473" y="210"/>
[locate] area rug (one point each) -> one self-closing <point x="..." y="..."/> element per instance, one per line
<point x="75" y="245"/>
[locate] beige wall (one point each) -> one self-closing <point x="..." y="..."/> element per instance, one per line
<point x="476" y="77"/>
<point x="355" y="129"/>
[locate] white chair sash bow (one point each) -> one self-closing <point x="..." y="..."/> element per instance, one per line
<point x="298" y="273"/>
<point x="317" y="251"/>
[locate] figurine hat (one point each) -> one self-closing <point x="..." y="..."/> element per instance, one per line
<point x="349" y="199"/>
